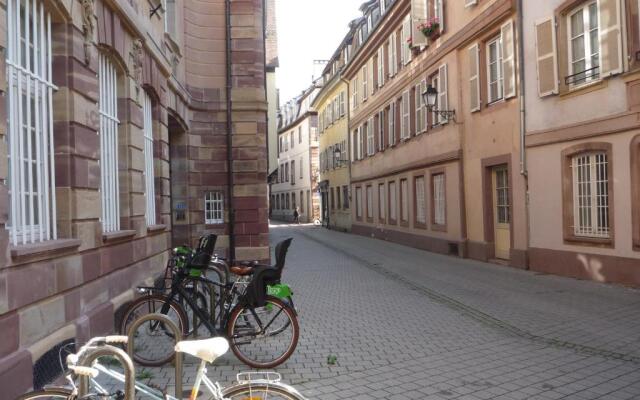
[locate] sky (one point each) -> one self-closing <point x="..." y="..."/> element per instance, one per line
<point x="308" y="30"/>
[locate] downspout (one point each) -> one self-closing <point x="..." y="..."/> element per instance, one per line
<point x="523" y="154"/>
<point x="231" y="208"/>
<point x="266" y="97"/>
<point x="348" y="138"/>
<point x="523" y="126"/>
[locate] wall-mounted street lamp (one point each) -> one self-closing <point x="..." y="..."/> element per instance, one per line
<point x="336" y="156"/>
<point x="430" y="97"/>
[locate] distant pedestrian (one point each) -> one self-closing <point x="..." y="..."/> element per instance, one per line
<point x="296" y="216"/>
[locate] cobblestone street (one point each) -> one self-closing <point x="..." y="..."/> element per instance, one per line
<point x="407" y="324"/>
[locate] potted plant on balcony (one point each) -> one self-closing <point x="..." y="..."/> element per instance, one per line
<point x="430" y="28"/>
<point x="415" y="50"/>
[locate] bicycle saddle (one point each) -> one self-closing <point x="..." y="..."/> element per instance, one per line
<point x="244" y="268"/>
<point x="206" y="349"/>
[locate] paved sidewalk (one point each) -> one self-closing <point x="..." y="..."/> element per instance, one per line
<point x="407" y="324"/>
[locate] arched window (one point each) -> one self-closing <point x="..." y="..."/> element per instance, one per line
<point x="149" y="178"/>
<point x="31" y="180"/>
<point x="108" y="105"/>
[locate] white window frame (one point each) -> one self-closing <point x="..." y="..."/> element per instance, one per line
<point x="439" y="199"/>
<point x="365" y="82"/>
<point x="370" y="140"/>
<point x="108" y="108"/>
<point x="420" y="108"/>
<point x="497" y="42"/>
<point x="381" y="125"/>
<point x="393" y="199"/>
<point x="587" y="28"/>
<point x="421" y="206"/>
<point x="591" y="195"/>
<point x="214" y="208"/>
<point x="149" y="175"/>
<point x="360" y="141"/>
<point x="405" y="120"/>
<point x="354" y="99"/>
<point x="392" y="124"/>
<point x="29" y="76"/>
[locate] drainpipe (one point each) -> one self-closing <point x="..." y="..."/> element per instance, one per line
<point x="523" y="126"/>
<point x="523" y="153"/>
<point x="231" y="208"/>
<point x="348" y="137"/>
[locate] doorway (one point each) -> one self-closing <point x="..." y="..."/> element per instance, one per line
<point x="178" y="176"/>
<point x="501" y="211"/>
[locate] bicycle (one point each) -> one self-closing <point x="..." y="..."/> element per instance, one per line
<point x="247" y="315"/>
<point x="85" y="367"/>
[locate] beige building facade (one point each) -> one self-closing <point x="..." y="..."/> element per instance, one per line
<point x="132" y="141"/>
<point x="583" y="138"/>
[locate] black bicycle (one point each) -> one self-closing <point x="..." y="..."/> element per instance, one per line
<point x="262" y="329"/>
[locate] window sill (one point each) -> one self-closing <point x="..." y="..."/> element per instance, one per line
<point x="419" y="225"/>
<point x="50" y="246"/>
<point x="117" y="235"/>
<point x="438" y="227"/>
<point x="589" y="241"/>
<point x="583" y="88"/>
<point x="156" y="228"/>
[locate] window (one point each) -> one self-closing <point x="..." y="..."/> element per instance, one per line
<point x="502" y="196"/>
<point x="420" y="108"/>
<point x="381" y="201"/>
<point x="439" y="211"/>
<point x="286" y="172"/>
<point x="108" y="107"/>
<point x="439" y="81"/>
<point x="301" y="201"/>
<point x="213" y="208"/>
<point x="584" y="45"/>
<point x="149" y="179"/>
<point x="354" y="95"/>
<point x="333" y="198"/>
<point x="337" y="198"/>
<point x="380" y="67"/>
<point x="370" y="140"/>
<point x="291" y="139"/>
<point x="299" y="134"/>
<point x="404" y="200"/>
<point x="31" y="175"/>
<point x="365" y="88"/>
<point x="287" y="198"/>
<point x="342" y="107"/>
<point x="419" y="201"/>
<point x="301" y="168"/>
<point x="359" y="202"/>
<point x="381" y="126"/>
<point x="293" y="172"/>
<point x="360" y="143"/>
<point x="392" y="203"/>
<point x="406" y="120"/>
<point x="369" y="202"/>
<point x="293" y="201"/>
<point x="391" y="118"/>
<point x="494" y="69"/>
<point x="345" y="197"/>
<point x="590" y="195"/>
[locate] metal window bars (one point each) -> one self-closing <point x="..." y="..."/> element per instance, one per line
<point x="30" y="124"/>
<point x="150" y="193"/>
<point x="583" y="76"/>
<point x="591" y="195"/>
<point x="108" y="106"/>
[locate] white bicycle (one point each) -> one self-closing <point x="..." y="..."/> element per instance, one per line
<point x="83" y="365"/>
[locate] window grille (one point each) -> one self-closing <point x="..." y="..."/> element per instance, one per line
<point x="502" y="196"/>
<point x="31" y="177"/>
<point x="149" y="178"/>
<point x="108" y="105"/>
<point x="439" y="217"/>
<point x="420" y="204"/>
<point x="591" y="195"/>
<point x="214" y="208"/>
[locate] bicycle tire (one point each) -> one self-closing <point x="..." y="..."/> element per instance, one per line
<point x="235" y="343"/>
<point x="183" y="325"/>
<point x="45" y="394"/>
<point x="257" y="390"/>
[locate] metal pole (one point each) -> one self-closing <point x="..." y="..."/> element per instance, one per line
<point x="178" y="336"/>
<point x="125" y="360"/>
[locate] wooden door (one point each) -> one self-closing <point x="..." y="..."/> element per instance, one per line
<point x="501" y="212"/>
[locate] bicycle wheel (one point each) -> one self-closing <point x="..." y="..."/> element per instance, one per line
<point x="47" y="394"/>
<point x="261" y="391"/>
<point x="153" y="341"/>
<point x="263" y="337"/>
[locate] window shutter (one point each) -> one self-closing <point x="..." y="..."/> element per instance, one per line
<point x="390" y="57"/>
<point x="443" y="97"/>
<point x="380" y="66"/>
<point x="406" y="34"/>
<point x="370" y="87"/>
<point x="508" y="60"/>
<point x="418" y="16"/>
<point x="610" y="33"/>
<point x="474" y="77"/>
<point x="547" y="57"/>
<point x="469" y="3"/>
<point x="440" y="15"/>
<point x="394" y="59"/>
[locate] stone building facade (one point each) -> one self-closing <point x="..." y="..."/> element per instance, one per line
<point x="132" y="141"/>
